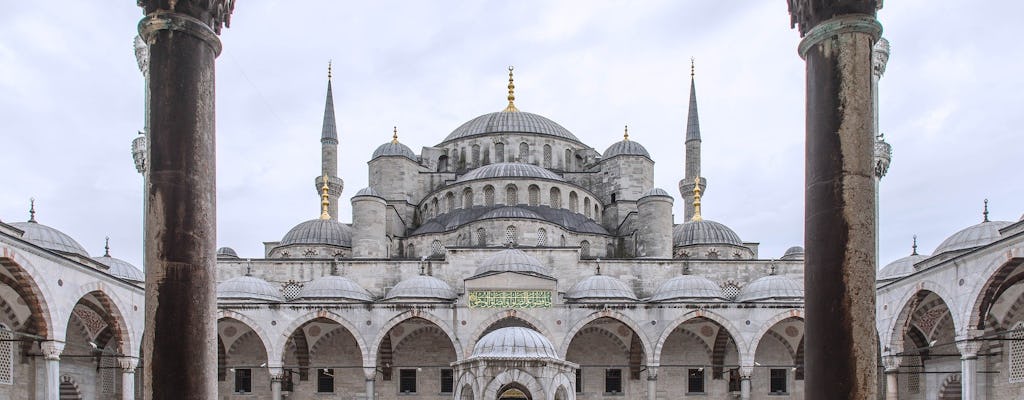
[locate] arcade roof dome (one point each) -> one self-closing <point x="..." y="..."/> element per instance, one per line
<point x="515" y="343"/>
<point x="421" y="287"/>
<point x="510" y="122"/>
<point x="972" y="236"/>
<point x="901" y="267"/>
<point x="121" y="268"/>
<point x="509" y="170"/>
<point x="625" y="148"/>
<point x="772" y="287"/>
<point x="334" y="287"/>
<point x="394" y="148"/>
<point x="49" y="238"/>
<point x="226" y="252"/>
<point x="688" y="287"/>
<point x="794" y="253"/>
<point x="600" y="287"/>
<point x="248" y="288"/>
<point x="513" y="260"/>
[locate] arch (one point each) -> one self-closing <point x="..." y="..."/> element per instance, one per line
<point x="481" y="237"/>
<point x="511" y="194"/>
<point x="484" y="326"/>
<point x="997" y="280"/>
<point x="555" y="197"/>
<point x="563" y="348"/>
<point x="519" y="376"/>
<point x="533" y="195"/>
<point x="951" y="388"/>
<point x="464" y="390"/>
<point x="721" y="321"/>
<point x="35" y="293"/>
<point x="768" y="325"/>
<point x="253" y="326"/>
<point x="113" y="305"/>
<point x="524" y="152"/>
<point x="295" y="324"/>
<point x="449" y="200"/>
<point x="514" y="389"/>
<point x="499" y="152"/>
<point x="371" y="358"/>
<point x="586" y="206"/>
<point x="547" y="156"/>
<point x="562" y="388"/>
<point x="467" y="198"/>
<point x="894" y="333"/>
<point x="488" y="195"/>
<point x="574" y="202"/>
<point x="69" y="389"/>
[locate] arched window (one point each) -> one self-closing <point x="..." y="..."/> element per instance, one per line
<point x="524" y="152"/>
<point x="463" y="161"/>
<point x="6" y="355"/>
<point x="467" y="198"/>
<point x="542" y="237"/>
<point x="584" y="249"/>
<point x="410" y="251"/>
<point x="476" y="155"/>
<point x="1017" y="353"/>
<point x="436" y="249"/>
<point x="481" y="237"/>
<point x="488" y="195"/>
<point x="442" y="164"/>
<point x="609" y="250"/>
<point x="450" y="200"/>
<point x="566" y="163"/>
<point x="511" y="195"/>
<point x="586" y="206"/>
<point x="510" y="235"/>
<point x="574" y="202"/>
<point x="555" y="198"/>
<point x="597" y="212"/>
<point x="499" y="152"/>
<point x="547" y="156"/>
<point x="433" y="208"/>
<point x="534" y="193"/>
<point x="561" y="242"/>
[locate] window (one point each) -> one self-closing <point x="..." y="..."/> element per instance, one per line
<point x="511" y="195"/>
<point x="450" y="200"/>
<point x="586" y="206"/>
<point x="476" y="155"/>
<point x="584" y="249"/>
<point x="565" y="161"/>
<point x="481" y="237"/>
<point x="524" y="152"/>
<point x="447" y="380"/>
<point x="534" y="195"/>
<point x="467" y="198"/>
<point x="499" y="152"/>
<point x="436" y="249"/>
<point x="574" y="202"/>
<point x="555" y="198"/>
<point x="325" y="380"/>
<point x="291" y="290"/>
<point x="547" y="156"/>
<point x="243" y="380"/>
<point x="6" y="355"/>
<point x="407" y="380"/>
<point x="613" y="381"/>
<point x="462" y="158"/>
<point x="579" y="376"/>
<point x="287" y="385"/>
<point x="510" y="235"/>
<point x="488" y="195"/>
<point x="433" y="208"/>
<point x="734" y="380"/>
<point x="1017" y="353"/>
<point x="695" y="380"/>
<point x="778" y="380"/>
<point x="542" y="237"/>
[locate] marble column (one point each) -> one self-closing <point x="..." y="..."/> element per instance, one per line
<point x="839" y="215"/>
<point x="128" y="365"/>
<point x="892" y="369"/>
<point x="276" y="376"/>
<point x="745" y="374"/>
<point x="51" y="368"/>
<point x="968" y="366"/>
<point x="652" y="382"/>
<point x="371" y="375"/>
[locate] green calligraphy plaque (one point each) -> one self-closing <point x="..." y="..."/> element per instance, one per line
<point x="509" y="298"/>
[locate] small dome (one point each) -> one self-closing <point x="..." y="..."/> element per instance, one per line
<point x="510" y="122"/>
<point x="772" y="287"/>
<point x="901" y="267"/>
<point x="972" y="236"/>
<point x="509" y="170"/>
<point x="421" y="287"/>
<point x="248" y="288"/>
<point x="686" y="287"/>
<point x="334" y="287"/>
<point x="510" y="212"/>
<point x="226" y="252"/>
<point x="49" y="238"/>
<point x="513" y="260"/>
<point x="656" y="192"/>
<point x="319" y="231"/>
<point x="121" y="269"/>
<point x="600" y="287"/>
<point x="704" y="232"/>
<point x="626" y="148"/>
<point x="794" y="253"/>
<point x="395" y="149"/>
<point x="368" y="191"/>
<point x="515" y="343"/>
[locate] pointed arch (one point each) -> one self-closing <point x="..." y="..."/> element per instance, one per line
<point x="34" y="292"/>
<point x="485" y="326"/>
<point x="504" y="379"/>
<point x="297" y="323"/>
<point x="721" y="321"/>
<point x="893" y="335"/>
<point x="370" y="359"/>
<point x="255" y="327"/>
<point x="997" y="279"/>
<point x="563" y="348"/>
<point x="769" y="324"/>
<point x="115" y="318"/>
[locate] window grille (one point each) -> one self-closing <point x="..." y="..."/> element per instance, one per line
<point x="574" y="202"/>
<point x="243" y="380"/>
<point x="476" y="155"/>
<point x="613" y="381"/>
<point x="510" y="235"/>
<point x="436" y="249"/>
<point x="730" y="290"/>
<point x="579" y="376"/>
<point x="534" y="193"/>
<point x="407" y="381"/>
<point x="489" y="195"/>
<point x="555" y="198"/>
<point x="695" y="380"/>
<point x="547" y="156"/>
<point x="325" y="380"/>
<point x="511" y="195"/>
<point x="481" y="237"/>
<point x="6" y="355"/>
<point x="1017" y="353"/>
<point x="447" y="380"/>
<point x="584" y="249"/>
<point x="778" y="381"/>
<point x="499" y="152"/>
<point x="467" y="198"/>
<point x="565" y="162"/>
<point x="542" y="237"/>
<point x="586" y="207"/>
<point x="291" y="290"/>
<point x="524" y="152"/>
<point x="450" y="199"/>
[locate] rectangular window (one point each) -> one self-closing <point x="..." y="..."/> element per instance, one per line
<point x="287" y="385"/>
<point x="407" y="381"/>
<point x="778" y="380"/>
<point x="613" y="381"/>
<point x="695" y="380"/>
<point x="243" y="380"/>
<point x="579" y="380"/>
<point x="325" y="380"/>
<point x="447" y="380"/>
<point x="734" y="380"/>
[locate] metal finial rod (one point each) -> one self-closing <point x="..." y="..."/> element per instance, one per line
<point x="696" y="199"/>
<point x="692" y="67"/>
<point x="325" y="200"/>
<point x="772" y="268"/>
<point x="625" y="134"/>
<point x="248" y="267"/>
<point x="32" y="209"/>
<point x="914" y="247"/>
<point x="511" y="92"/>
<point x="106" y="247"/>
<point x="598" y="269"/>
<point x="394" y="136"/>
<point x="985" y="213"/>
<point x="329" y="64"/>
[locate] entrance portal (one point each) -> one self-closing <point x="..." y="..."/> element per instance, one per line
<point x="513" y="391"/>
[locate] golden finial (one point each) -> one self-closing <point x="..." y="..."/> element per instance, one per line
<point x="696" y="200"/>
<point x="325" y="200"/>
<point x="692" y="68"/>
<point x="329" y="62"/>
<point x="511" y="92"/>
<point x="394" y="136"/>
<point x="625" y="134"/>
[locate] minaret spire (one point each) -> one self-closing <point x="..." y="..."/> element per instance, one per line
<point x="329" y="133"/>
<point x="328" y="176"/>
<point x="692" y="121"/>
<point x="692" y="178"/>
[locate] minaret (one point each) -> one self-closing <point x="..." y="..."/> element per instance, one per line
<point x="883" y="150"/>
<point x="329" y="152"/>
<point x="692" y="177"/>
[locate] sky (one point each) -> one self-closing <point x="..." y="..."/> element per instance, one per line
<point x="71" y="102"/>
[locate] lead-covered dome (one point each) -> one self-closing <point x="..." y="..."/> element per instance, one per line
<point x="248" y="288"/>
<point x="656" y="192"/>
<point x="772" y="287"/>
<point x="394" y="149"/>
<point x="513" y="260"/>
<point x="794" y="253"/>
<point x="514" y="343"/>
<point x="121" y="268"/>
<point x="509" y="170"/>
<point x="600" y="288"/>
<point x="226" y="252"/>
<point x="368" y="191"/>
<point x="334" y="287"/>
<point x="972" y="236"/>
<point x="49" y="238"/>
<point x="510" y="212"/>
<point x="510" y="122"/>
<point x="901" y="267"/>
<point x="421" y="287"/>
<point x="688" y="287"/>
<point x="625" y="148"/>
<point x="704" y="232"/>
<point x="319" y="232"/>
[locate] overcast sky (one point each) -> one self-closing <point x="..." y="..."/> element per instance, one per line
<point x="71" y="101"/>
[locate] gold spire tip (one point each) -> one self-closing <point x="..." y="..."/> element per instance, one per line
<point x="325" y="200"/>
<point x="692" y="67"/>
<point x="394" y="136"/>
<point x="696" y="199"/>
<point x="329" y="62"/>
<point x="511" y="92"/>
<point x="625" y="134"/>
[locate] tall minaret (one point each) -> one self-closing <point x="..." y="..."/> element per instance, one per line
<point x="686" y="185"/>
<point x="329" y="153"/>
<point x="883" y="150"/>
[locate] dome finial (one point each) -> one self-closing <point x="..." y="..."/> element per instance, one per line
<point x="329" y="62"/>
<point x="625" y="134"/>
<point x="692" y="67"/>
<point x="248" y="267"/>
<point x="325" y="201"/>
<point x="511" y="92"/>
<point x="985" y="213"/>
<point x="32" y="209"/>
<point x="772" y="268"/>
<point x="597" y="271"/>
<point x="914" y="247"/>
<point x="394" y="136"/>
<point x="696" y="199"/>
<point x="106" y="247"/>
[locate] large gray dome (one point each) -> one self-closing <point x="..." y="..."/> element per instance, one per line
<point x="334" y="287"/>
<point x="794" y="253"/>
<point x="319" y="232"/>
<point x="509" y="170"/>
<point x="394" y="148"/>
<point x="772" y="287"/>
<point x="513" y="260"/>
<point x="457" y="218"/>
<point x="248" y="288"/>
<point x="510" y="212"/>
<point x="421" y="287"/>
<point x="688" y="287"/>
<point x="704" y="232"/>
<point x="121" y="269"/>
<point x="600" y="288"/>
<point x="972" y="236"/>
<point x="901" y="267"/>
<point x="625" y="148"/>
<point x="49" y="238"/>
<point x="514" y="343"/>
<point x="510" y="122"/>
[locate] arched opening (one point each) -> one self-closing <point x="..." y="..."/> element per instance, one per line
<point x="69" y="389"/>
<point x="524" y="152"/>
<point x="449" y="199"/>
<point x="611" y="357"/>
<point x="418" y="355"/>
<point x="442" y="164"/>
<point x="547" y="156"/>
<point x="488" y="195"/>
<point x="778" y="358"/>
<point x="1000" y="317"/>
<point x="323" y="357"/>
<point x="242" y="359"/>
<point x="700" y="357"/>
<point x="511" y="195"/>
<point x="94" y="339"/>
<point x="514" y="391"/>
<point x="499" y="152"/>
<point x="534" y="195"/>
<point x="951" y="388"/>
<point x="555" y="198"/>
<point x="22" y="321"/>
<point x="926" y="329"/>
<point x="467" y="198"/>
<point x="476" y="155"/>
<point x="467" y="393"/>
<point x="586" y="206"/>
<point x="574" y="202"/>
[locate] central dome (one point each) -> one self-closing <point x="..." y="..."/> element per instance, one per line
<point x="514" y="342"/>
<point x="319" y="232"/>
<point x="510" y="170"/>
<point x="510" y="122"/>
<point x="512" y="260"/>
<point x="704" y="232"/>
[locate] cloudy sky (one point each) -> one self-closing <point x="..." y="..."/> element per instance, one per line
<point x="71" y="101"/>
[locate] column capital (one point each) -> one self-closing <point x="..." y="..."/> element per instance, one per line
<point x="807" y="14"/>
<point x="51" y="349"/>
<point x="370" y="373"/>
<point x="968" y="348"/>
<point x="276" y="374"/>
<point x="892" y="363"/>
<point x="847" y="23"/>
<point x="215" y="14"/>
<point x="746" y="372"/>
<point x="652" y="372"/>
<point x="128" y="364"/>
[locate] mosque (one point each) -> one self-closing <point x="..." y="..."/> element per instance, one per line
<point x="511" y="260"/>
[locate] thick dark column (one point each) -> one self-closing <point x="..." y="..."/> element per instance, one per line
<point x="839" y="225"/>
<point x="180" y="232"/>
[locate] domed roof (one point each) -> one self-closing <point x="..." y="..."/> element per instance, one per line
<point x="421" y="287"/>
<point x="972" y="236"/>
<point x="457" y="218"/>
<point x="509" y="170"/>
<point x="794" y="253"/>
<point x="226" y="252"/>
<point x="515" y="343"/>
<point x="704" y="232"/>
<point x="656" y="192"/>
<point x="510" y="122"/>
<point x="510" y="212"/>
<point x="248" y="288"/>
<point x="368" y="191"/>
<point x="688" y="287"/>
<point x="121" y="269"/>
<point x="771" y="287"/>
<point x="334" y="287"/>
<point x="394" y="148"/>
<point x="600" y="287"/>
<point x="319" y="231"/>
<point x="901" y="267"/>
<point x="626" y="148"/>
<point x="513" y="260"/>
<point x="49" y="238"/>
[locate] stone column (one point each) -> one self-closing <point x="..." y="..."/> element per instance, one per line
<point x="839" y="222"/>
<point x="276" y="376"/>
<point x="968" y="367"/>
<point x="892" y="369"/>
<point x="652" y="382"/>
<point x="128" y="365"/>
<point x="180" y="231"/>
<point x="51" y="368"/>
<point x="371" y="375"/>
<point x="745" y="374"/>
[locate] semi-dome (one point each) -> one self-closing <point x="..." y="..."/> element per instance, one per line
<point x="121" y="268"/>
<point x="510" y="122"/>
<point x="600" y="287"/>
<point x="688" y="287"/>
<point x="704" y="232"/>
<point x="972" y="236"/>
<point x="509" y="170"/>
<point x="510" y="212"/>
<point x="334" y="287"/>
<point x="49" y="238"/>
<point x="656" y="192"/>
<point x="625" y="148"/>
<point x="901" y="267"/>
<point x="772" y="287"/>
<point x="457" y="218"/>
<point x="794" y="253"/>
<point x="319" y="232"/>
<point x="513" y="260"/>
<point x="248" y="288"/>
<point x="368" y="191"/>
<point x="421" y="287"/>
<point x="396" y="149"/>
<point x="226" y="252"/>
<point x="514" y="343"/>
